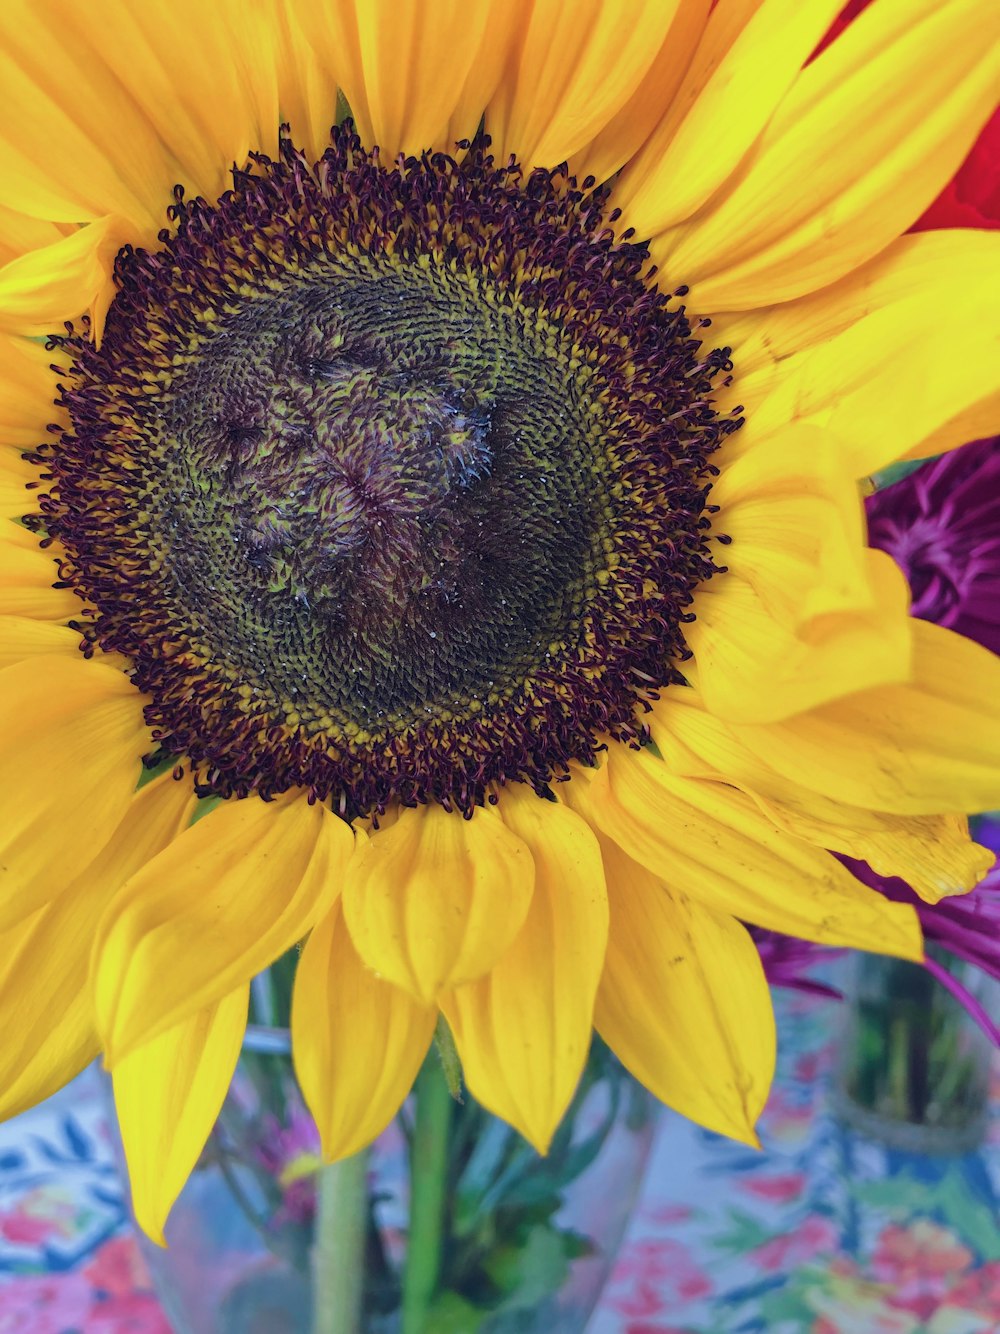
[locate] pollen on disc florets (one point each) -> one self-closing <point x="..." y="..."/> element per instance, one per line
<point x="389" y="481"/>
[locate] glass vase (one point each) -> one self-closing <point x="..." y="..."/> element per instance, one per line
<point x="913" y="1070"/>
<point x="461" y="1227"/>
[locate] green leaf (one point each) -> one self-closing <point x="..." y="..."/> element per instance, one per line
<point x="895" y="472"/>
<point x="528" y="1273"/>
<point x="452" y="1314"/>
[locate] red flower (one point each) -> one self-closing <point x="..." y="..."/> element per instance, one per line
<point x="972" y="199"/>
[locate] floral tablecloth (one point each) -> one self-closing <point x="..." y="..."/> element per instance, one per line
<point x="821" y="1233"/>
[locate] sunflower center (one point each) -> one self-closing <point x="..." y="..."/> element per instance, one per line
<point x="389" y="483"/>
<point x="377" y="493"/>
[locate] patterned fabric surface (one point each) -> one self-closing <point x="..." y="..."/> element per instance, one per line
<point x="821" y="1233"/>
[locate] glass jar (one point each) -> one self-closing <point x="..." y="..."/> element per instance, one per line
<point x="913" y="1070"/>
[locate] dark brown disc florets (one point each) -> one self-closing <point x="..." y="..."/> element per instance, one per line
<point x="390" y="482"/>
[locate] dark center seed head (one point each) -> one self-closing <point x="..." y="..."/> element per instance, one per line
<point x="390" y="483"/>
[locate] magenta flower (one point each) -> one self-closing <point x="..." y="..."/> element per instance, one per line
<point x="941" y="525"/>
<point x="290" y="1153"/>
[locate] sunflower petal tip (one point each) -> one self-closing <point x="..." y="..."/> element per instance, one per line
<point x="752" y="1140"/>
<point x="147" y="1216"/>
<point x="541" y="1143"/>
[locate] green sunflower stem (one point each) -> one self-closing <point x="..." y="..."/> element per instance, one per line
<point x="428" y="1182"/>
<point x="339" y="1249"/>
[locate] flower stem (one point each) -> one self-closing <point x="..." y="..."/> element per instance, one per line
<point x="428" y="1182"/>
<point x="339" y="1249"/>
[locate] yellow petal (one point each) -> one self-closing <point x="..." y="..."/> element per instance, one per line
<point x="523" y="1030"/>
<point x="196" y="78"/>
<point x="929" y="745"/>
<point x="402" y="65"/>
<point x="29" y="575"/>
<point x="44" y="288"/>
<point x="670" y="181"/>
<point x="714" y="38"/>
<point x="48" y="1025"/>
<point x="168" y="1095"/>
<point x="684" y="1003"/>
<point x="16" y="476"/>
<point x="342" y="1015"/>
<point x="711" y="843"/>
<point x="618" y="142"/>
<point x="923" y="307"/>
<point x="434" y="900"/>
<point x="27" y="390"/>
<point x="890" y="109"/>
<point x="45" y="1006"/>
<point x="796" y="522"/>
<point x="765" y="341"/>
<point x="497" y="50"/>
<point x="572" y="70"/>
<point x="74" y="148"/>
<point x="752" y="667"/>
<point x="73" y="735"/>
<point x="932" y="852"/>
<point x="216" y="907"/>
<point x="20" y="233"/>
<point x="307" y="82"/>
<point x="23" y="638"/>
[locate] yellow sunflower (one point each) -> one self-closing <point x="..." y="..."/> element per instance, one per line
<point x="469" y="544"/>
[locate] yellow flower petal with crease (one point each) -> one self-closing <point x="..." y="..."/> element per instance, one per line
<point x="725" y="23"/>
<point x="20" y="233"/>
<point x="713" y="844"/>
<point x="491" y="63"/>
<point x="523" y="1030"/>
<point x="932" y="852"/>
<point x="27" y="388"/>
<point x="890" y="127"/>
<point x="630" y="127"/>
<point x="358" y="1043"/>
<point x="766" y="342"/>
<point x="216" y="907"/>
<point x="206" y="102"/>
<point x="29" y="574"/>
<point x="16" y="473"/>
<point x="931" y="744"/>
<point x="44" y="288"/>
<point x="402" y="64"/>
<point x="73" y="735"/>
<point x="168" y="1094"/>
<point x="74" y="148"/>
<point x="434" y="900"/>
<point x="21" y="637"/>
<point x="48" y="1024"/>
<point x="585" y="62"/>
<point x="45" y="1008"/>
<point x="668" y="182"/>
<point x="851" y="382"/>
<point x="796" y="521"/>
<point x="684" y="1003"/>
<point x="752" y="667"/>
<point x="307" y="83"/>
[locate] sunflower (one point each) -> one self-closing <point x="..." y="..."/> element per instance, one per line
<point x="459" y="512"/>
